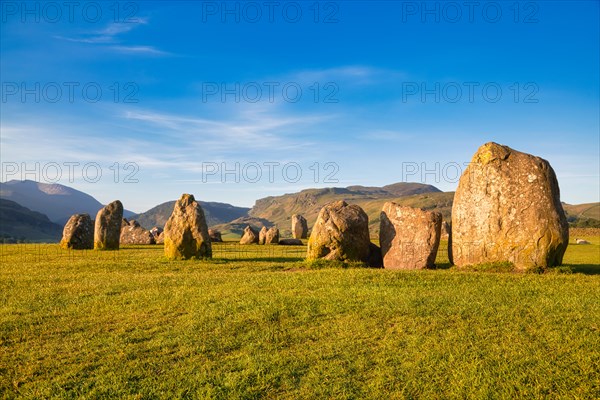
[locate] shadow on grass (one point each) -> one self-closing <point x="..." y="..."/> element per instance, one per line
<point x="585" y="269"/>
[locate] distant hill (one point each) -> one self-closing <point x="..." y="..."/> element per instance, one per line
<point x="57" y="202"/>
<point x="19" y="223"/>
<point x="583" y="215"/>
<point x="279" y="209"/>
<point x="216" y="213"/>
<point x="235" y="228"/>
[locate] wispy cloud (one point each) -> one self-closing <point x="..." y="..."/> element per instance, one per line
<point x="149" y="50"/>
<point x="243" y="132"/>
<point x="355" y="74"/>
<point x="111" y="38"/>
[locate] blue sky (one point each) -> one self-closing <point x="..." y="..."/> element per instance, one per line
<point x="175" y="94"/>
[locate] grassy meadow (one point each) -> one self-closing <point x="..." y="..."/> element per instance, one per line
<point x="262" y="323"/>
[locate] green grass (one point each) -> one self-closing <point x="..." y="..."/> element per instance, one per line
<point x="261" y="324"/>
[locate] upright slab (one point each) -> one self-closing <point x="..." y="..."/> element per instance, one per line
<point x="507" y="209"/>
<point x="107" y="229"/>
<point x="409" y="237"/>
<point x="299" y="227"/>
<point x="272" y="236"/>
<point x="186" y="233"/>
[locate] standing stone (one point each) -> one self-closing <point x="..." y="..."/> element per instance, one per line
<point x="262" y="235"/>
<point x="186" y="232"/>
<point x="250" y="236"/>
<point x="340" y="233"/>
<point x="299" y="227"/>
<point x="133" y="233"/>
<point x="507" y="209"/>
<point x="78" y="233"/>
<point x="215" y="235"/>
<point x="107" y="231"/>
<point x="272" y="236"/>
<point x="161" y="238"/>
<point x="409" y="237"/>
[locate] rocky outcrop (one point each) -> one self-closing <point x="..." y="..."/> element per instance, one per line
<point x="133" y="233"/>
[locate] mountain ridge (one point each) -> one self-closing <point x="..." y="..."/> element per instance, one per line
<point x="58" y="202"/>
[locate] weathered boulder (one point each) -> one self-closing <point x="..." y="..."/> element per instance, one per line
<point x="78" y="233"/>
<point x="409" y="237"/>
<point x="507" y="209"/>
<point x="272" y="236"/>
<point x="133" y="233"/>
<point x="156" y="231"/>
<point x="107" y="229"/>
<point x="340" y="233"/>
<point x="290" y="242"/>
<point x="262" y="235"/>
<point x="299" y="227"/>
<point x="186" y="232"/>
<point x="581" y="241"/>
<point x="250" y="236"/>
<point x="215" y="235"/>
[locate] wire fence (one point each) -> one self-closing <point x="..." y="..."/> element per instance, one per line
<point x="43" y="252"/>
<point x="234" y="250"/>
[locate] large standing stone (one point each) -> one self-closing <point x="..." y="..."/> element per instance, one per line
<point x="250" y="236"/>
<point x="507" y="208"/>
<point x="215" y="235"/>
<point x="186" y="232"/>
<point x="107" y="230"/>
<point x="340" y="233"/>
<point x="262" y="235"/>
<point x="78" y="233"/>
<point x="133" y="233"/>
<point x="409" y="237"/>
<point x="299" y="227"/>
<point x="272" y="236"/>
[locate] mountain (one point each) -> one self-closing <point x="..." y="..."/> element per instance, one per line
<point x="20" y="223"/>
<point x="235" y="228"/>
<point x="215" y="213"/>
<point x="583" y="215"/>
<point x="57" y="202"/>
<point x="279" y="209"/>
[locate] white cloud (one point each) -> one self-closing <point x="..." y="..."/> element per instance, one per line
<point x="110" y="37"/>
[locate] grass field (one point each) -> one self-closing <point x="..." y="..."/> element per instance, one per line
<point x="263" y="324"/>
